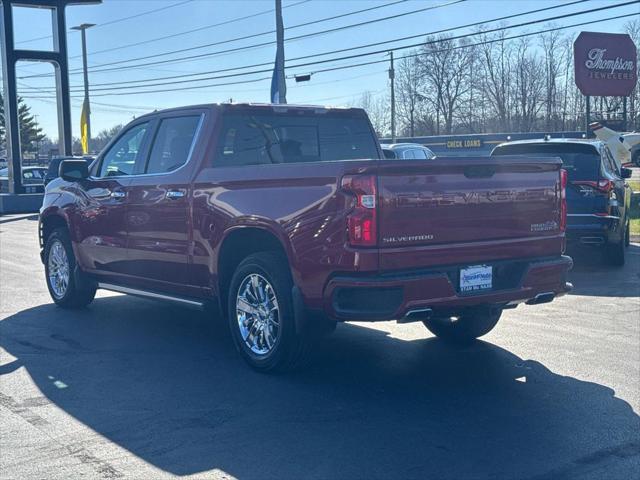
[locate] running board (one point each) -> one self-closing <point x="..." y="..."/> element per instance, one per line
<point x="152" y="295"/>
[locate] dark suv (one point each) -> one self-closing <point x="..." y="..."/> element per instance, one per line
<point x="598" y="198"/>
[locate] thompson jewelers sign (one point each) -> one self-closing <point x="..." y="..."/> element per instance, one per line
<point x="605" y="64"/>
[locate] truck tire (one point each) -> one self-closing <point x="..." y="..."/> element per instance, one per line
<point x="261" y="315"/>
<point x="627" y="240"/>
<point x="615" y="252"/>
<point x="64" y="279"/>
<point x="462" y="330"/>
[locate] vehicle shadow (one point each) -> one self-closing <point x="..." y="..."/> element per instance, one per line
<point x="592" y="275"/>
<point x="166" y="385"/>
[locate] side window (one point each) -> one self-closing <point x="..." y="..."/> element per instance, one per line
<point x="121" y="157"/>
<point x="408" y="155"/>
<point x="388" y="153"/>
<point x="245" y="142"/>
<point x="420" y="154"/>
<point x="610" y="162"/>
<point x="172" y="144"/>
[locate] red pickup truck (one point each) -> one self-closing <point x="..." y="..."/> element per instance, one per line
<point x="289" y="219"/>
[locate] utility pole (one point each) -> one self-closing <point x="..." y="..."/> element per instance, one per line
<point x="278" y="83"/>
<point x="35" y="117"/>
<point x="86" y="107"/>
<point x="392" y="75"/>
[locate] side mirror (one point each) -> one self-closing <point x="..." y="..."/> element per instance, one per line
<point x="626" y="172"/>
<point x="73" y="170"/>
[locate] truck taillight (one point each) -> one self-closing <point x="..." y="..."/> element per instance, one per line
<point x="362" y="221"/>
<point x="563" y="200"/>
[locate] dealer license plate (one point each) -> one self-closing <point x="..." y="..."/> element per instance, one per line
<point x="476" y="278"/>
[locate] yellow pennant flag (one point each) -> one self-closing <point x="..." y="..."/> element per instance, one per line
<point x="84" y="129"/>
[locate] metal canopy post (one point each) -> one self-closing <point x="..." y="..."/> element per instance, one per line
<point x="57" y="57"/>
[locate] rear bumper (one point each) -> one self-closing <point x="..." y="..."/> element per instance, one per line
<point x="395" y="295"/>
<point x="592" y="230"/>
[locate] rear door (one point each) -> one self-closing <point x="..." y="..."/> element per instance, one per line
<point x="464" y="200"/>
<point x="158" y="205"/>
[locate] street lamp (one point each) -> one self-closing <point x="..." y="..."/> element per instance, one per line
<point x="86" y="107"/>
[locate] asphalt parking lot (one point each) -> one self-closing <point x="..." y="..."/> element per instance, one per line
<point x="129" y="388"/>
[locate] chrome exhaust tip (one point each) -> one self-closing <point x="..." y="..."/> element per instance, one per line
<point x="545" y="297"/>
<point x="416" y="315"/>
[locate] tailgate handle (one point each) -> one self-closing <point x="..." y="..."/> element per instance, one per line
<point x="480" y="171"/>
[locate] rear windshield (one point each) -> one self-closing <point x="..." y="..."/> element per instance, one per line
<point x="582" y="162"/>
<point x="257" y="138"/>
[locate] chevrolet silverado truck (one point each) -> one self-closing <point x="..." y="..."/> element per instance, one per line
<point x="289" y="219"/>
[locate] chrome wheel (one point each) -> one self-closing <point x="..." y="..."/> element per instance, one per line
<point x="58" y="266"/>
<point x="258" y="314"/>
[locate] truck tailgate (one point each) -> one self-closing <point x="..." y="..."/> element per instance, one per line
<point x="466" y="200"/>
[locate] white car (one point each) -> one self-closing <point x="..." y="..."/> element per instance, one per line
<point x="407" y="151"/>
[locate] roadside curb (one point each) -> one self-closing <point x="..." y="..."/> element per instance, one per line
<point x="15" y="217"/>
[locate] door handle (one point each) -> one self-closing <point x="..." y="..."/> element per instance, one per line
<point x="118" y="194"/>
<point x="174" y="194"/>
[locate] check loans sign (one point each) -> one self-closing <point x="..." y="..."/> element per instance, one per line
<point x="605" y="64"/>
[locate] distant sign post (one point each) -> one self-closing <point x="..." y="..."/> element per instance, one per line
<point x="605" y="65"/>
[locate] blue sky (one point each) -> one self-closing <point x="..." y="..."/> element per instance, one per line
<point x="180" y="17"/>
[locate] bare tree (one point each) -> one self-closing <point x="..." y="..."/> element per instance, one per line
<point x="528" y="83"/>
<point x="409" y="99"/>
<point x="550" y="43"/>
<point x="496" y="75"/>
<point x="444" y="65"/>
<point x="633" y="29"/>
<point x="377" y="109"/>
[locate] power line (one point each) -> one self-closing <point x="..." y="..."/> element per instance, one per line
<point x="119" y="19"/>
<point x="487" y="42"/>
<point x="484" y="22"/>
<point x="359" y="55"/>
<point x="101" y="105"/>
<point x="236" y="49"/>
<point x="313" y="34"/>
<point x="207" y="27"/>
<point x="137" y="15"/>
<point x="130" y="108"/>
<point x="233" y="50"/>
<point x="478" y="44"/>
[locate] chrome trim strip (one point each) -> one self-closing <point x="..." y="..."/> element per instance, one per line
<point x="592" y="240"/>
<point x="175" y="194"/>
<point x="416" y="311"/>
<point x="592" y="215"/>
<point x="153" y="295"/>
